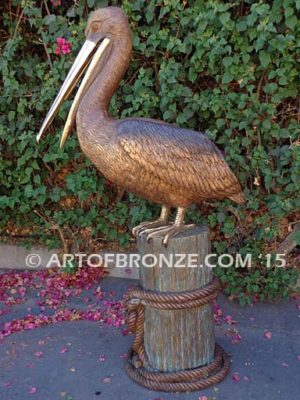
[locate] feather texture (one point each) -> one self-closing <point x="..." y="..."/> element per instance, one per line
<point x="184" y="161"/>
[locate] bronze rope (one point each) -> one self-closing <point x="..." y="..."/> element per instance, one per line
<point x="137" y="363"/>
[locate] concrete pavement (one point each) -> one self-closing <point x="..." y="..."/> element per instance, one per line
<point x="262" y="368"/>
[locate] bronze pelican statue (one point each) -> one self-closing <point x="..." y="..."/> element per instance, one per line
<point x="163" y="163"/>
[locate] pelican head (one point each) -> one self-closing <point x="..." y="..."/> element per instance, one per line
<point x="103" y="24"/>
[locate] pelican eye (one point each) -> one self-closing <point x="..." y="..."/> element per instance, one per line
<point x="95" y="26"/>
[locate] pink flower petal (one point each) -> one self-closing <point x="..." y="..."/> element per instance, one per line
<point x="235" y="377"/>
<point x="102" y="358"/>
<point x="229" y="320"/>
<point x="65" y="49"/>
<point x="203" y="398"/>
<point x="60" y="41"/>
<point x="125" y="332"/>
<point x="32" y="390"/>
<point x="236" y="338"/>
<point x="63" y="350"/>
<point x="106" y="380"/>
<point x="268" y="334"/>
<point x="53" y="291"/>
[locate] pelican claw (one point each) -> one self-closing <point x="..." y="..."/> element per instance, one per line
<point x="145" y="226"/>
<point x="152" y="230"/>
<point x="169" y="232"/>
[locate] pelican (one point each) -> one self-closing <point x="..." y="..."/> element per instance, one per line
<point x="165" y="164"/>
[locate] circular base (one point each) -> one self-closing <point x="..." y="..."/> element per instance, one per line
<point x="182" y="381"/>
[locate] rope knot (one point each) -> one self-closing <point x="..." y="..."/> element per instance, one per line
<point x="182" y="381"/>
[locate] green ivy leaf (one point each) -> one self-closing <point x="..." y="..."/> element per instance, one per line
<point x="227" y="77"/>
<point x="291" y="22"/>
<point x="49" y="19"/>
<point x="264" y="58"/>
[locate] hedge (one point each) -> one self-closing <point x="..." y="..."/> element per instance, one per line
<point x="230" y="69"/>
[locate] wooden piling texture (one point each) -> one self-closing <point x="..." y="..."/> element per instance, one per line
<point x="177" y="340"/>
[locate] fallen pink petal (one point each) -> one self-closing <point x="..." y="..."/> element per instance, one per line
<point x="229" y="320"/>
<point x="235" y="377"/>
<point x="38" y="354"/>
<point x="236" y="338"/>
<point x="268" y="334"/>
<point x="32" y="390"/>
<point x="125" y="332"/>
<point x="102" y="358"/>
<point x="63" y="350"/>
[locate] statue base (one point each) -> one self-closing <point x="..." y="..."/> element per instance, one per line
<point x="171" y="316"/>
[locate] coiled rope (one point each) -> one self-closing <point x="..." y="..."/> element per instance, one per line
<point x="137" y="366"/>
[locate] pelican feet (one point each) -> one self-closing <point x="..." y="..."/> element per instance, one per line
<point x="149" y="226"/>
<point x="169" y="232"/>
<point x="160" y="229"/>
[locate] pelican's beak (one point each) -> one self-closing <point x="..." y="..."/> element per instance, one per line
<point x="88" y="56"/>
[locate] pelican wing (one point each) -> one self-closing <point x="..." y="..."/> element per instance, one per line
<point x="178" y="156"/>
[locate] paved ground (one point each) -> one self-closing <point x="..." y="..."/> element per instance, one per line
<point x="267" y="368"/>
